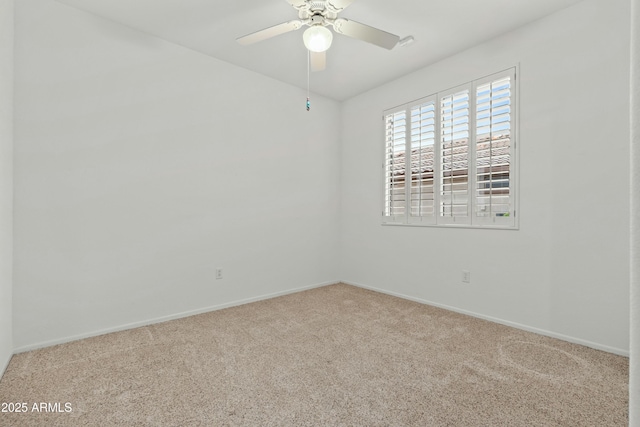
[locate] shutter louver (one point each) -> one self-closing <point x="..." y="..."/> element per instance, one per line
<point x="423" y="134"/>
<point x="493" y="148"/>
<point x="454" y="155"/>
<point x="395" y="164"/>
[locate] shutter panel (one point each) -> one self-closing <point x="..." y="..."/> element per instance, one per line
<point x="454" y="156"/>
<point x="395" y="199"/>
<point x="423" y="135"/>
<point x="494" y="113"/>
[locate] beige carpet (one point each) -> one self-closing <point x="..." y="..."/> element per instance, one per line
<point x="332" y="356"/>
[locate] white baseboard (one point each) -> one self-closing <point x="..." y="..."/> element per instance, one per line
<point x="608" y="349"/>
<point x="166" y="318"/>
<point x="4" y="364"/>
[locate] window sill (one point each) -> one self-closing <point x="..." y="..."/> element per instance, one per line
<point x="477" y="227"/>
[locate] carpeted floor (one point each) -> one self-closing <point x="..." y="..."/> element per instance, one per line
<point x="332" y="356"/>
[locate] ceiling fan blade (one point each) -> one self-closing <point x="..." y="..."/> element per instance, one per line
<point x="267" y="33"/>
<point x="318" y="60"/>
<point x="340" y="4"/>
<point x="366" y="33"/>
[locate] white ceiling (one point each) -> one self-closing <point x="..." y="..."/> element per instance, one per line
<point x="440" y="27"/>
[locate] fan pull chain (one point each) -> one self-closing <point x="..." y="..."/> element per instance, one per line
<point x="308" y="72"/>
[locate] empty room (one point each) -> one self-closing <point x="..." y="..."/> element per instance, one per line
<point x="319" y="213"/>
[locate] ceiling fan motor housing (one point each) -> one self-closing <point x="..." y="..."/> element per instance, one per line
<point x="316" y="6"/>
<point x="317" y="12"/>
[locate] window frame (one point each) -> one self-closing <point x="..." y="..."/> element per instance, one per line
<point x="471" y="220"/>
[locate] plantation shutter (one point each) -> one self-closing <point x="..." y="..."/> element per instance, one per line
<point x="450" y="157"/>
<point x="454" y="156"/>
<point x="493" y="142"/>
<point x="422" y="166"/>
<point x="395" y="195"/>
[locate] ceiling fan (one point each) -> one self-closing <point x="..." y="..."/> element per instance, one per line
<point x="318" y="15"/>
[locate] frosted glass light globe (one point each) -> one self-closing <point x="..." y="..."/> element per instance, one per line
<point x="317" y="38"/>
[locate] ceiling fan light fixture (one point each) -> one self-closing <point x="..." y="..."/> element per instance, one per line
<point x="317" y="38"/>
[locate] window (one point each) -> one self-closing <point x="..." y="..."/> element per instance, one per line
<point x="450" y="157"/>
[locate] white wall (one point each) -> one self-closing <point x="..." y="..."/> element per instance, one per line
<point x="634" y="368"/>
<point x="565" y="272"/>
<point x="128" y="195"/>
<point x="6" y="181"/>
<point x="141" y="166"/>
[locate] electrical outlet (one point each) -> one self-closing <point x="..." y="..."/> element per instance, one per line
<point x="218" y="273"/>
<point x="466" y="276"/>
